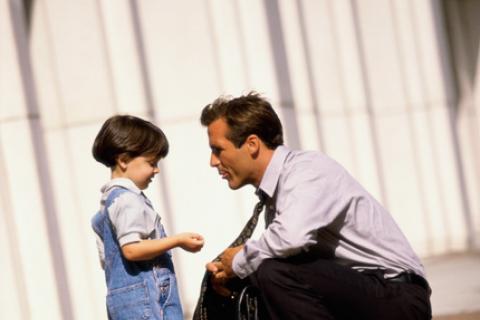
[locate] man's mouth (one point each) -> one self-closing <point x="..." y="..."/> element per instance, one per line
<point x="224" y="174"/>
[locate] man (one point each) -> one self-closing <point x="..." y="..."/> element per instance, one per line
<point x="330" y="250"/>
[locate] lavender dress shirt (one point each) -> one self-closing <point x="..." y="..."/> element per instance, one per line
<point x="315" y="206"/>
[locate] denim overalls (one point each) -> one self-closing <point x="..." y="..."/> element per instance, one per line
<point x="140" y="289"/>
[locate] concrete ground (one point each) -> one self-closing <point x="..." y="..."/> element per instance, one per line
<point x="455" y="282"/>
<point x="462" y="316"/>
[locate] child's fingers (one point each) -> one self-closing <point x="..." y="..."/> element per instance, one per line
<point x="197" y="236"/>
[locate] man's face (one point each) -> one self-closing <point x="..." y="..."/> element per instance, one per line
<point x="233" y="164"/>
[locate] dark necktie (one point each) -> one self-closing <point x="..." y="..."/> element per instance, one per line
<point x="249" y="226"/>
<point x="201" y="310"/>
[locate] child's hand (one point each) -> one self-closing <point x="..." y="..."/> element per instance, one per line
<point x="189" y="241"/>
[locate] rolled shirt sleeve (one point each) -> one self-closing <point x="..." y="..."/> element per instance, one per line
<point x="130" y="218"/>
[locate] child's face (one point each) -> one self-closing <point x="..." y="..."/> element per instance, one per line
<point x="141" y="170"/>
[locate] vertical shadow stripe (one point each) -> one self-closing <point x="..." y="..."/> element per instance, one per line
<point x="38" y="143"/>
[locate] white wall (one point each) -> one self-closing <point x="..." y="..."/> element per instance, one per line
<point x="373" y="83"/>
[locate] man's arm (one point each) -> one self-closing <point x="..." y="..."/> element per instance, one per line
<point x="307" y="201"/>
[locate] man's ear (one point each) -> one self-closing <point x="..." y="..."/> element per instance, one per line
<point x="253" y="144"/>
<point x="122" y="161"/>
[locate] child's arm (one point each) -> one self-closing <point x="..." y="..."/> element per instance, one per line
<point x="149" y="249"/>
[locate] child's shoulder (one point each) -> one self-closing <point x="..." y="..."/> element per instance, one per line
<point x="122" y="197"/>
<point x="121" y="193"/>
<point x="119" y="187"/>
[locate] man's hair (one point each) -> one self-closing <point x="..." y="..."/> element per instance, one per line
<point x="130" y="136"/>
<point x="246" y="115"/>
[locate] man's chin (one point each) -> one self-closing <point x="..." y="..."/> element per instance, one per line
<point x="234" y="186"/>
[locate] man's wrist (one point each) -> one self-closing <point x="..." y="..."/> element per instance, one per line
<point x="237" y="263"/>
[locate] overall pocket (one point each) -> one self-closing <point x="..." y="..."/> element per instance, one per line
<point x="130" y="302"/>
<point x="164" y="289"/>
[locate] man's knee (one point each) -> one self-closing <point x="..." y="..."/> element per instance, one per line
<point x="271" y="272"/>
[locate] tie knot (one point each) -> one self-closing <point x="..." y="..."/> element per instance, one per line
<point x="262" y="196"/>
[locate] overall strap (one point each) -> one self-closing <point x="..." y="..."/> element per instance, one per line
<point x="98" y="220"/>
<point x="117" y="191"/>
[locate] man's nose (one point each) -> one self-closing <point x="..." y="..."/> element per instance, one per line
<point x="214" y="160"/>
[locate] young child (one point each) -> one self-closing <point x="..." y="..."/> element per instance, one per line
<point x="133" y="247"/>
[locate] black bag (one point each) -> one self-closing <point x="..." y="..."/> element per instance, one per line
<point x="242" y="304"/>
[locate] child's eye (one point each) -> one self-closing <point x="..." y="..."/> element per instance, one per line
<point x="153" y="163"/>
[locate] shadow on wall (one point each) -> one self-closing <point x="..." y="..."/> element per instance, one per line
<point x="463" y="30"/>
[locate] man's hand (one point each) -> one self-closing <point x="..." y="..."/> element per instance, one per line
<point x="218" y="282"/>
<point x="222" y="271"/>
<point x="227" y="260"/>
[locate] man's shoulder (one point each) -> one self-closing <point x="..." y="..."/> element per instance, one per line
<point x="310" y="165"/>
<point x="308" y="159"/>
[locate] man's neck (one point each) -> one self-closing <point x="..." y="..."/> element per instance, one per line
<point x="263" y="161"/>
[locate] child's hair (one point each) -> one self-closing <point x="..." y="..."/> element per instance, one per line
<point x="130" y="136"/>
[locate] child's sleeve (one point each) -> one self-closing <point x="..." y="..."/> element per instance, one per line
<point x="130" y="219"/>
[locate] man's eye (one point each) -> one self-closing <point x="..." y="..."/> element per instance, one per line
<point x="216" y="151"/>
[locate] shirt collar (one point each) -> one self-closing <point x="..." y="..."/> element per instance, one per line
<point x="121" y="182"/>
<point x="272" y="173"/>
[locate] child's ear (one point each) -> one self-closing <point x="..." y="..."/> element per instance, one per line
<point x="122" y="161"/>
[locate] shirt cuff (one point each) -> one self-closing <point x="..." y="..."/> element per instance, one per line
<point x="129" y="238"/>
<point x="240" y="266"/>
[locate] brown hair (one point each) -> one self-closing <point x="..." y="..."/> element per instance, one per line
<point x="246" y="115"/>
<point x="129" y="135"/>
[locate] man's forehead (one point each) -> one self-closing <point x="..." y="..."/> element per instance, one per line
<point x="217" y="128"/>
<point x="216" y="140"/>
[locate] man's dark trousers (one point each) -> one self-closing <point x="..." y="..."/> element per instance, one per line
<point x="302" y="288"/>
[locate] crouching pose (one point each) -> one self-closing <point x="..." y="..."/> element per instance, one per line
<point x="330" y="250"/>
